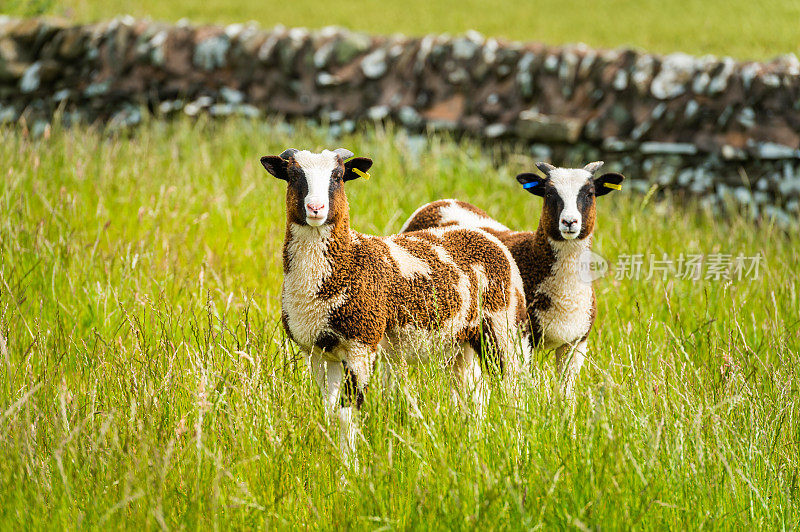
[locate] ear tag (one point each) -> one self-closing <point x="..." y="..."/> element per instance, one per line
<point x="612" y="185"/>
<point x="530" y="185"/>
<point x="365" y="175"/>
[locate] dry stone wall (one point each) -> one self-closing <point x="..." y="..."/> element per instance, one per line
<point x="712" y="126"/>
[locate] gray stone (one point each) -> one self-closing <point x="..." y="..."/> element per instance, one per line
<point x="731" y="153"/>
<point x="97" y="89"/>
<point x="378" y="112"/>
<point x="61" y="95"/>
<point x="747" y="117"/>
<point x="551" y="63"/>
<point x="620" y="82"/>
<point x="676" y="71"/>
<point x="773" y="150"/>
<point x="614" y="144"/>
<point x="8" y="114"/>
<point x="210" y="53"/>
<point x="524" y="75"/>
<point x="193" y="108"/>
<point x="325" y="79"/>
<point x="323" y="54"/>
<point x="31" y="79"/>
<point x="541" y="152"/>
<point x="409" y="117"/>
<point x="231" y="96"/>
<point x="374" y="64"/>
<point x="350" y="46"/>
<point x="691" y="110"/>
<point x="720" y="82"/>
<point x="221" y="109"/>
<point x="494" y="131"/>
<point x="266" y="50"/>
<point x="642" y="73"/>
<point x="535" y="126"/>
<point x="465" y="48"/>
<point x="668" y="148"/>
<point x="127" y="117"/>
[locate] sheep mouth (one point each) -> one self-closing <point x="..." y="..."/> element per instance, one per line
<point x="569" y="235"/>
<point x="315" y="219"/>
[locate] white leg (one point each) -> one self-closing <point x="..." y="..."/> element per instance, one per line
<point x="569" y="361"/>
<point x="329" y="376"/>
<point x="469" y="380"/>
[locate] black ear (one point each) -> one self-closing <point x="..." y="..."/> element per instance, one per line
<point x="533" y="183"/>
<point x="607" y="183"/>
<point x="356" y="167"/>
<point x="276" y="166"/>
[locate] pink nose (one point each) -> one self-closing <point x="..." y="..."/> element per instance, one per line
<point x="315" y="207"/>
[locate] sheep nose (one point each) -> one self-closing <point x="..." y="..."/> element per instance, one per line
<point x="315" y="207"/>
<point x="569" y="222"/>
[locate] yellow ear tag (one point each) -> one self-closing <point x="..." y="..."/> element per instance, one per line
<point x="612" y="185"/>
<point x="365" y="175"/>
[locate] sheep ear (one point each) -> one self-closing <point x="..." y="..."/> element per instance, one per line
<point x="607" y="183"/>
<point x="344" y="153"/>
<point x="545" y="168"/>
<point x="592" y="168"/>
<point x="532" y="183"/>
<point x="275" y="165"/>
<point x="356" y="167"/>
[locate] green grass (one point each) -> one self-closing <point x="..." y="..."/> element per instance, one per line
<point x="739" y="28"/>
<point x="145" y="381"/>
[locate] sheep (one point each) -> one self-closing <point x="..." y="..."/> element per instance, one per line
<point x="560" y="300"/>
<point x="349" y="298"/>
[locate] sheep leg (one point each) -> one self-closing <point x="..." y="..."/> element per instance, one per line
<point x="330" y="378"/>
<point x="569" y="360"/>
<point x="469" y="380"/>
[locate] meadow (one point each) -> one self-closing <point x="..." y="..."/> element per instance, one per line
<point x="739" y="28"/>
<point x="145" y="381"/>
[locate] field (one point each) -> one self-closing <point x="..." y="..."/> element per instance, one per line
<point x="739" y="28"/>
<point x="145" y="381"/>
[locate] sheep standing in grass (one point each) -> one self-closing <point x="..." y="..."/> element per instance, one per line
<point x="348" y="297"/>
<point x="560" y="299"/>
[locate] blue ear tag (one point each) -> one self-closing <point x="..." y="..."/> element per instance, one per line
<point x="530" y="185"/>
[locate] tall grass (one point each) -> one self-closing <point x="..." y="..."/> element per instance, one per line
<point x="145" y="380"/>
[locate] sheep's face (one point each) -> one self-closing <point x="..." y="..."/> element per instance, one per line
<point x="315" y="195"/>
<point x="569" y="198"/>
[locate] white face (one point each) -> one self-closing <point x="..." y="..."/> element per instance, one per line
<point x="568" y="183"/>
<point x="317" y="168"/>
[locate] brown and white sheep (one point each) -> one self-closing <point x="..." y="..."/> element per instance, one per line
<point x="560" y="299"/>
<point x="349" y="298"/>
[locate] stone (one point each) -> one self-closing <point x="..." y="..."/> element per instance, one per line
<point x="494" y="131"/>
<point x="97" y="88"/>
<point x="676" y="71"/>
<point x="465" y="48"/>
<point x="772" y="150"/>
<point x="409" y="117"/>
<point x="378" y="112"/>
<point x="668" y="148"/>
<point x="373" y="65"/>
<point x="231" y="96"/>
<point x="210" y="53"/>
<point x="350" y="46"/>
<point x="31" y="79"/>
<point x="620" y="82"/>
<point x="642" y="73"/>
<point x="533" y="125"/>
<point x="720" y="82"/>
<point x="525" y="75"/>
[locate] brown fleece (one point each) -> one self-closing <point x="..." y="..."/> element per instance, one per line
<point x="531" y="251"/>
<point x="377" y="300"/>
